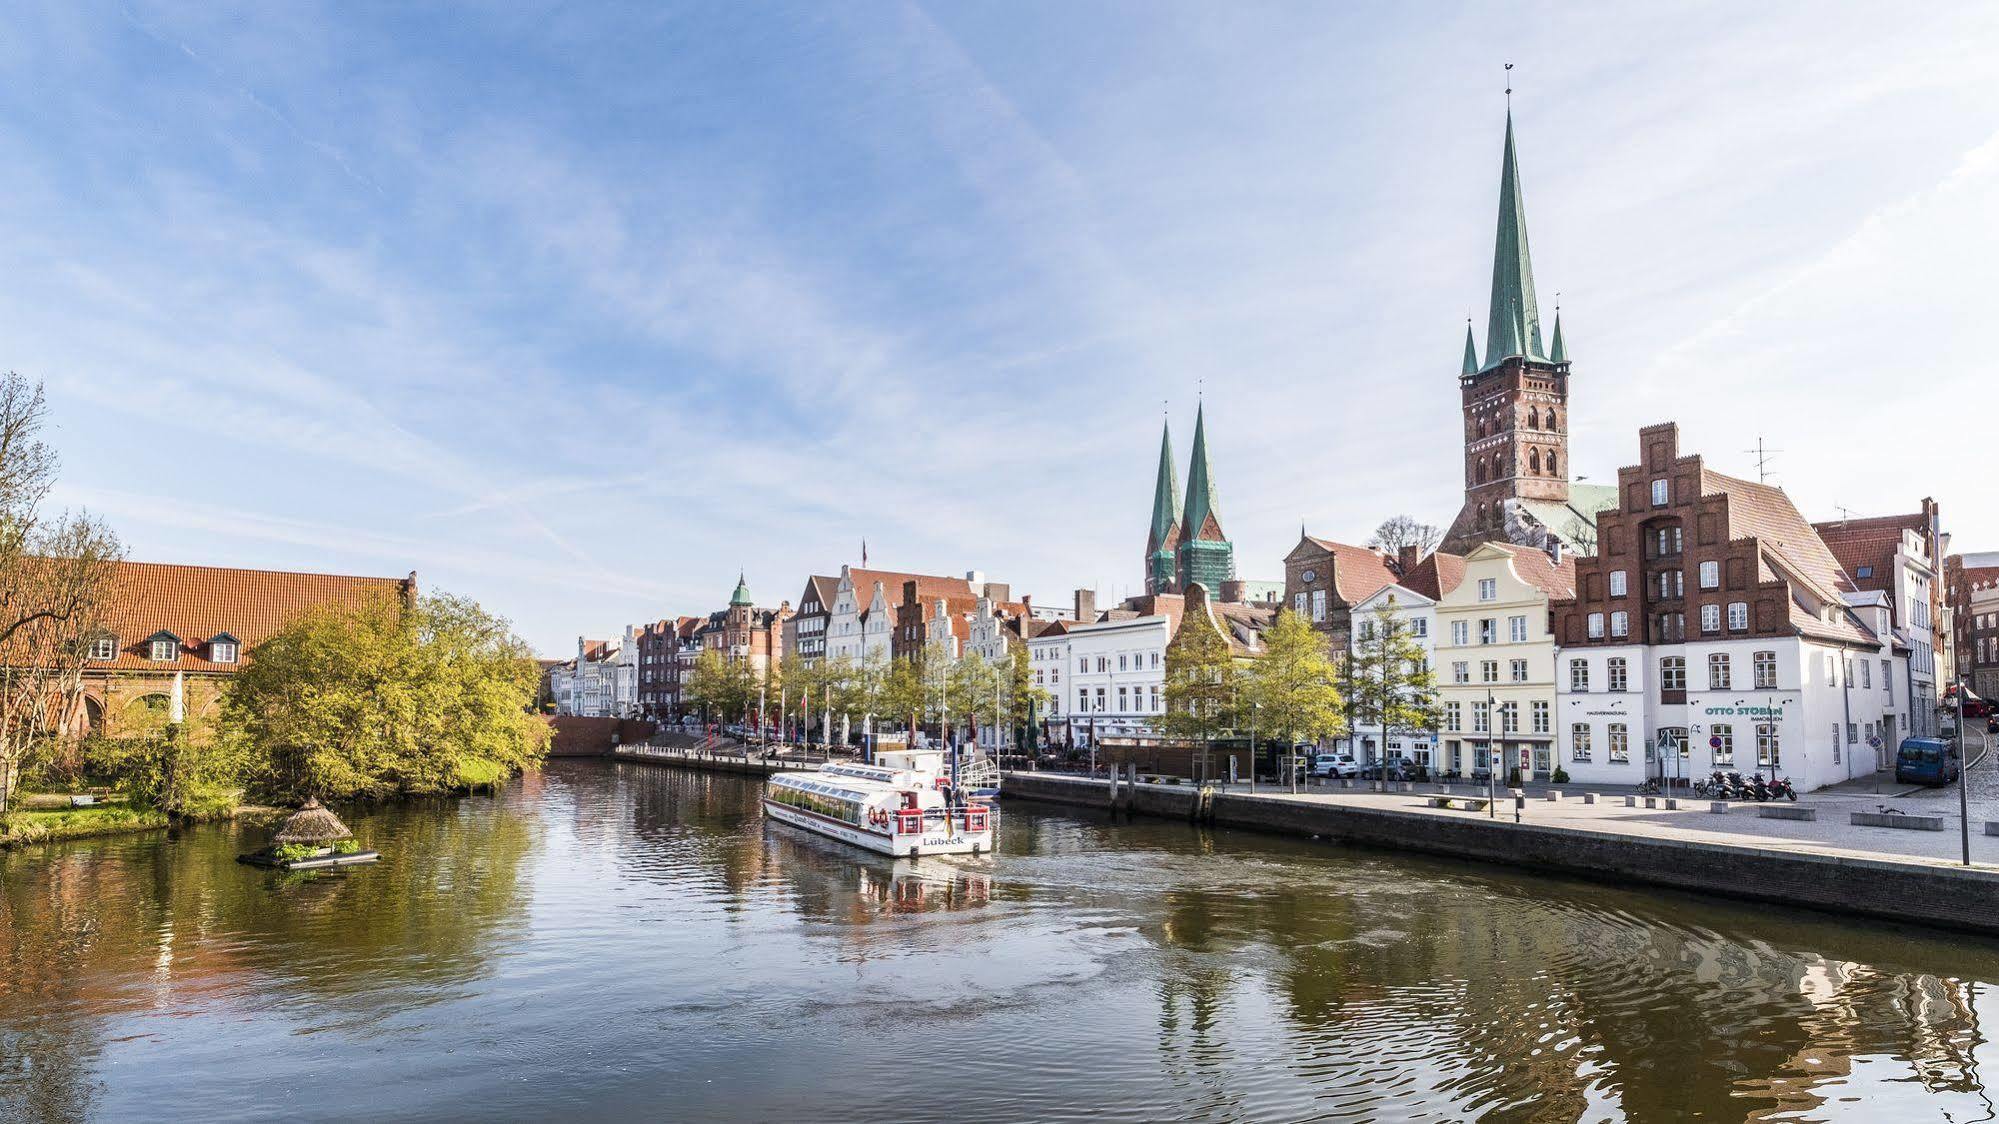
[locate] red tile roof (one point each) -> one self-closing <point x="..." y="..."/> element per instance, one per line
<point x="1538" y="570"/>
<point x="1870" y="544"/>
<point x="1357" y="571"/>
<point x="198" y="603"/>
<point x="1791" y="548"/>
<point x="1435" y="575"/>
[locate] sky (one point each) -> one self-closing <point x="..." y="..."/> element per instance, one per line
<point x="579" y="309"/>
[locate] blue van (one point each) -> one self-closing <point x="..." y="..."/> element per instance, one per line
<point x="1929" y="761"/>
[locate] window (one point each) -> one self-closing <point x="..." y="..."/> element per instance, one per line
<point x="1481" y="719"/>
<point x="1866" y="675"/>
<point x="1083" y="664"/>
<point x="222" y="651"/>
<point x="1540" y="717"/>
<point x="1461" y="633"/>
<point x="1367" y="630"/>
<point x="1721" y="739"/>
<point x="104" y="648"/>
<point x="1579" y="742"/>
<point x="1516" y="629"/>
<point x="1121" y="662"/>
<point x="1765" y="664"/>
<point x="1672" y="584"/>
<point x="1710" y="575"/>
<point x="1766" y="744"/>
<point x="1852" y="733"/>
<point x="162" y="649"/>
<point x="1620" y="743"/>
<point x="1453" y="716"/>
<point x="1298" y="603"/>
<point x="1488" y="630"/>
<point x="1155" y="699"/>
<point x="1887" y="681"/>
<point x="1103" y="663"/>
<point x="1596" y="626"/>
<point x="1578" y="675"/>
<point x="1155" y="659"/>
<point x="1673" y="674"/>
<point x="1488" y="671"/>
<point x="1717" y="671"/>
<point x="1620" y="623"/>
<point x="1710" y="617"/>
<point x="1617" y="587"/>
<point x="1420" y="627"/>
<point x="1100" y="698"/>
<point x="1318" y="604"/>
<point x="1460" y="672"/>
<point x="1519" y="671"/>
<point x="1738" y="616"/>
<point x="1488" y="589"/>
<point x="1618" y="673"/>
<point x="1831" y="671"/>
<point x="1863" y="571"/>
<point x="1659" y="493"/>
<point x="1509" y="718"/>
<point x="1666" y="541"/>
<point x="1122" y="705"/>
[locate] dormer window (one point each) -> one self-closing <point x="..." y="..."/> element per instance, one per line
<point x="104" y="647"/>
<point x="163" y="647"/>
<point x="223" y="648"/>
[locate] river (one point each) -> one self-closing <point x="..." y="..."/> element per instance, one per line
<point x="612" y="941"/>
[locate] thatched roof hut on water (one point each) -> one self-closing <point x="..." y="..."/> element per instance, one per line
<point x="313" y="824"/>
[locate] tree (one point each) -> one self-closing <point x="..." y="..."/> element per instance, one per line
<point x="1201" y="683"/>
<point x="57" y="572"/>
<point x="975" y="689"/>
<point x="723" y="690"/>
<point x="1023" y="698"/>
<point x="385" y="698"/>
<point x="1294" y="686"/>
<point x="902" y="691"/>
<point x="1393" y="688"/>
<point x="1399" y="531"/>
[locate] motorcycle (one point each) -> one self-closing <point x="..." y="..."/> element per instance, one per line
<point x="1783" y="788"/>
<point x="1759" y="788"/>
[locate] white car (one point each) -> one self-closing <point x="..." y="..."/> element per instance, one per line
<point x="1335" y="765"/>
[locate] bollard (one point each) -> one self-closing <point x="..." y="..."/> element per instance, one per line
<point x="1589" y="797"/>
<point x="1718" y="807"/>
<point x="1651" y="802"/>
<point x="1631" y="801"/>
<point x="1408" y="786"/>
<point x="1672" y="803"/>
<point x="1554" y="796"/>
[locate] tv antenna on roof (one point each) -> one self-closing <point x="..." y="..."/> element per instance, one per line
<point x="1764" y="455"/>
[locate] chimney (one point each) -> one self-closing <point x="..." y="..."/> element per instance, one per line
<point x="1027" y="606"/>
<point x="975" y="578"/>
<point x="1406" y="558"/>
<point x="1555" y="550"/>
<point x="1086" y="606"/>
<point x="1231" y="591"/>
<point x="999" y="591"/>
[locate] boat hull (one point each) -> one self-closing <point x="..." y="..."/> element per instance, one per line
<point x="955" y="842"/>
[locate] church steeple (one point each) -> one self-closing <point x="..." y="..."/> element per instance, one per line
<point x="1558" y="352"/>
<point x="1471" y="352"/>
<point x="1513" y="324"/>
<point x="1205" y="554"/>
<point x="1164" y="535"/>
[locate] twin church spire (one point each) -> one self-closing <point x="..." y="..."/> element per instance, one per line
<point x="1185" y="544"/>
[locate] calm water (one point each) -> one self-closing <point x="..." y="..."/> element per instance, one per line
<point x="626" y="941"/>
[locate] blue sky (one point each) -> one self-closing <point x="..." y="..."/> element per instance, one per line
<point x="580" y="308"/>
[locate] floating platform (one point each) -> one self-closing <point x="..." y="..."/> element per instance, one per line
<point x="259" y="858"/>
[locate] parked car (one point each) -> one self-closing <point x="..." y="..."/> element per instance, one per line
<point x="1335" y="765"/>
<point x="1928" y="761"/>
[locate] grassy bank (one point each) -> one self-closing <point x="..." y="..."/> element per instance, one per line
<point x="75" y="823"/>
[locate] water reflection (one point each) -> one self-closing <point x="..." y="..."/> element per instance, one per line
<point x="604" y="940"/>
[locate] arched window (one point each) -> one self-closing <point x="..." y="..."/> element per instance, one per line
<point x="1533" y="418"/>
<point x="1478" y="473"/>
<point x="1553" y="467"/>
<point x="1534" y="461"/>
<point x="1554" y="422"/>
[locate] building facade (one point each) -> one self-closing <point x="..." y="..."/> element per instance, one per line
<point x="1324" y="580"/>
<point x="1105" y="678"/>
<point x="600" y="681"/>
<point x="1410" y="607"/>
<point x="175" y="635"/>
<point x="1715" y="630"/>
<point x="1495" y="653"/>
<point x="1900" y="556"/>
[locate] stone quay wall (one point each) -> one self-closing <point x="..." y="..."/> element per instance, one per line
<point x="1912" y="891"/>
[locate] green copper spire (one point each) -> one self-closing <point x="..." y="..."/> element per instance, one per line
<point x="1165" y="497"/>
<point x="742" y="594"/>
<point x="1471" y="352"/>
<point x="1164" y="535"/>
<point x="1200" y="484"/>
<point x="1514" y="325"/>
<point x="1557" y="352"/>
<point x="1205" y="555"/>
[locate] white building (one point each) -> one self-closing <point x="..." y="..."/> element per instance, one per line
<point x="1495" y="657"/>
<point x="1715" y="630"/>
<point x="1106" y="677"/>
<point x="1410" y="606"/>
<point x="602" y="681"/>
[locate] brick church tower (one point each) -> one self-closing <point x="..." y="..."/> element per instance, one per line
<point x="1516" y="403"/>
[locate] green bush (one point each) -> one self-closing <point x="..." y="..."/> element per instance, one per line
<point x="347" y="847"/>
<point x="1561" y="775"/>
<point x="293" y="852"/>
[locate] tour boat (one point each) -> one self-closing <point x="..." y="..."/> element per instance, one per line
<point x="901" y="805"/>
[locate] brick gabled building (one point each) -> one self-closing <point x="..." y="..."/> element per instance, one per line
<point x="659" y="645"/>
<point x="1901" y="557"/>
<point x="1324" y="580"/>
<point x="186" y="629"/>
<point x="1715" y="629"/>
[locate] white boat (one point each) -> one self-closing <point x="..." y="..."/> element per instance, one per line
<point x="896" y="806"/>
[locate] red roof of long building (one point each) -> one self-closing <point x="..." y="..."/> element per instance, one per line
<point x="197" y="604"/>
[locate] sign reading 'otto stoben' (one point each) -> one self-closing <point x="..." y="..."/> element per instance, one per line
<point x="1743" y="710"/>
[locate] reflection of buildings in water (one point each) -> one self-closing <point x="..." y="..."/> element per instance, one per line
<point x="831" y="881"/>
